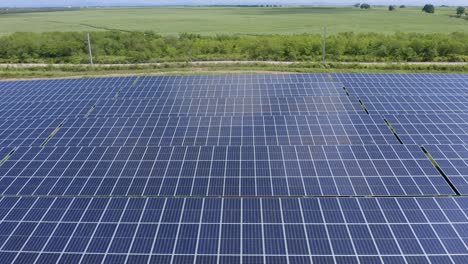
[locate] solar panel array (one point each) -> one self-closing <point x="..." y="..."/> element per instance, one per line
<point x="453" y="159"/>
<point x="429" y="110"/>
<point x="284" y="168"/>
<point x="431" y="128"/>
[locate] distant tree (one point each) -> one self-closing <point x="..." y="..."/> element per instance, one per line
<point x="365" y="6"/>
<point x="391" y="7"/>
<point x="357" y="5"/>
<point x="460" y="11"/>
<point x="429" y="9"/>
<point x="402" y="6"/>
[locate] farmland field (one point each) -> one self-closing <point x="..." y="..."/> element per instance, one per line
<point x="230" y="20"/>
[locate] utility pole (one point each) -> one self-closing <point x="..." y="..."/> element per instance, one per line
<point x="324" y="45"/>
<point x="90" y="51"/>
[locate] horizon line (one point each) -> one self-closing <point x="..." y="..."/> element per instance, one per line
<point x="216" y="5"/>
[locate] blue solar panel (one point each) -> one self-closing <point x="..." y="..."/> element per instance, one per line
<point x="414" y="104"/>
<point x="400" y="88"/>
<point x="149" y="87"/>
<point x="389" y="77"/>
<point x="224" y="131"/>
<point x="159" y="230"/>
<point x="401" y="84"/>
<point x="63" y="90"/>
<point x="222" y="171"/>
<point x="226" y="106"/>
<point x="24" y="132"/>
<point x="283" y="168"/>
<point x="431" y="128"/>
<point x="453" y="160"/>
<point x="44" y="110"/>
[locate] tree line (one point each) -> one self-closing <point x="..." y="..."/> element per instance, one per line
<point x="427" y="8"/>
<point x="125" y="47"/>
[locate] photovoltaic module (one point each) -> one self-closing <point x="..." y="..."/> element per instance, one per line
<point x="280" y="168"/>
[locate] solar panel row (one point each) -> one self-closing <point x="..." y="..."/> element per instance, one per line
<point x="414" y="104"/>
<point x="222" y="171"/>
<point x="226" y="106"/>
<point x="24" y="132"/>
<point x="62" y="90"/>
<point x="201" y="131"/>
<point x="17" y="109"/>
<point x="422" y="129"/>
<point x="389" y="77"/>
<point x="401" y="88"/>
<point x="155" y="90"/>
<point x="99" y="83"/>
<point x="158" y="230"/>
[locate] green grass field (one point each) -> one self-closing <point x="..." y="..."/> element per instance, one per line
<point x="229" y="20"/>
<point x="234" y="68"/>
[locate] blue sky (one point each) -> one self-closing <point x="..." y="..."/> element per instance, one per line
<point x="37" y="3"/>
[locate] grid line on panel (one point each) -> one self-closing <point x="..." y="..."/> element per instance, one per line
<point x="237" y="196"/>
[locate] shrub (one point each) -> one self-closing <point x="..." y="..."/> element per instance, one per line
<point x="365" y="6"/>
<point x="429" y="9"/>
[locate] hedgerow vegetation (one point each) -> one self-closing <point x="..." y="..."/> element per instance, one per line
<point x="139" y="47"/>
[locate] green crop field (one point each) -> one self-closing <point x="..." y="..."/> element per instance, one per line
<point x="230" y="20"/>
